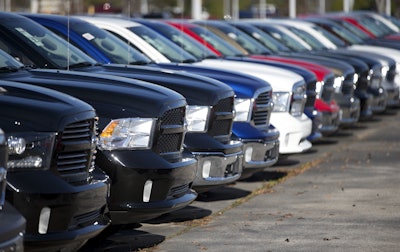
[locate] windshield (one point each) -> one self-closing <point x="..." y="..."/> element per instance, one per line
<point x="346" y="34"/>
<point x="247" y="42"/>
<point x="284" y="38"/>
<point x="378" y="28"/>
<point x="218" y="43"/>
<point x="162" y="44"/>
<point x="355" y="30"/>
<point x="114" y="48"/>
<point x="308" y="38"/>
<point x="329" y="35"/>
<point x="184" y="41"/>
<point x="57" y="52"/>
<point x="8" y="62"/>
<point x="262" y="37"/>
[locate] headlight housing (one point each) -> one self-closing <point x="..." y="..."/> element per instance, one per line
<point x="281" y="101"/>
<point x="30" y="150"/>
<point x="128" y="133"/>
<point x="242" y="109"/>
<point x="197" y="118"/>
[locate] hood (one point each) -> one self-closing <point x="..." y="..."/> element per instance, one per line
<point x="198" y="90"/>
<point x="244" y="85"/>
<point x="28" y="108"/>
<point x="111" y="96"/>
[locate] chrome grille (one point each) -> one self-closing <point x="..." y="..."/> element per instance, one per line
<point x="170" y="137"/>
<point x="391" y="74"/>
<point x="262" y="109"/>
<point x="74" y="151"/>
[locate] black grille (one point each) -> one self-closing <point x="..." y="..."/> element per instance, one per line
<point x="348" y="85"/>
<point x="362" y="83"/>
<point x="311" y="94"/>
<point x="391" y="74"/>
<point x="74" y="151"/>
<point x="172" y="129"/>
<point x="222" y="119"/>
<point x="262" y="109"/>
<point x="328" y="90"/>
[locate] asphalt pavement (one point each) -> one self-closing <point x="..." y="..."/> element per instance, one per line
<point x="342" y="195"/>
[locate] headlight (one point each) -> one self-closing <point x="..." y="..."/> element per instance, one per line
<point x="242" y="109"/>
<point x="128" y="133"/>
<point x="337" y="84"/>
<point x="197" y="118"/>
<point x="30" y="150"/>
<point x="281" y="101"/>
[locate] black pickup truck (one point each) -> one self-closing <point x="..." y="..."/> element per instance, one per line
<point x="51" y="178"/>
<point x="142" y="128"/>
<point x="12" y="223"/>
<point x="210" y="110"/>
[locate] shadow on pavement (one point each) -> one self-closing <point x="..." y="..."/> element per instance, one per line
<point x="122" y="238"/>
<point x="222" y="193"/>
<point x="187" y="213"/>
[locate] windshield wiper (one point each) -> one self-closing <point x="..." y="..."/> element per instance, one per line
<point x="9" y="69"/>
<point x="81" y="64"/>
<point x="140" y="62"/>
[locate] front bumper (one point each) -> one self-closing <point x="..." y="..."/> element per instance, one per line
<point x="392" y="91"/>
<point x="330" y="116"/>
<point x="293" y="132"/>
<point x="350" y="109"/>
<point x="12" y="229"/>
<point x="218" y="163"/>
<point x="379" y="100"/>
<point x="260" y="147"/>
<point x="144" y="185"/>
<point x="59" y="215"/>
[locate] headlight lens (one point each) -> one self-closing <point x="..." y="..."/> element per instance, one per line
<point x="281" y="101"/>
<point x="30" y="150"/>
<point x="197" y="118"/>
<point x="337" y="84"/>
<point x="128" y="133"/>
<point x="242" y="109"/>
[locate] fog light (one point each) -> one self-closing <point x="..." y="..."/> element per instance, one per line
<point x="206" y="169"/>
<point x="248" y="154"/>
<point x="44" y="220"/>
<point x="147" y="190"/>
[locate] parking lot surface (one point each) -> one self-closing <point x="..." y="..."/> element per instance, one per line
<point x="343" y="195"/>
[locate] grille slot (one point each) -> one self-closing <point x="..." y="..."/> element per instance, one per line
<point x="347" y="86"/>
<point x="170" y="137"/>
<point x="178" y="191"/>
<point x="85" y="219"/>
<point x="221" y="124"/>
<point x="328" y="90"/>
<point x="74" y="151"/>
<point x="311" y="94"/>
<point x="262" y="109"/>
